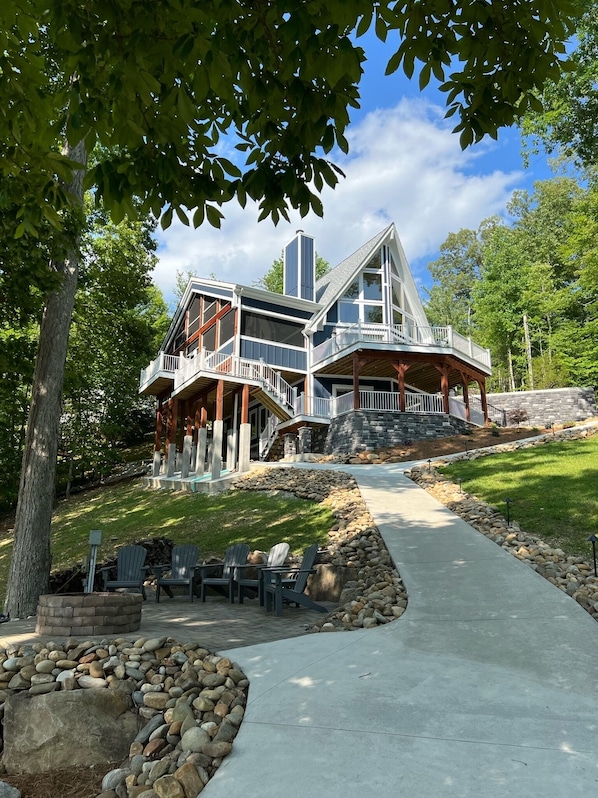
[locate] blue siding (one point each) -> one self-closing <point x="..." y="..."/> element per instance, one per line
<point x="307" y="268"/>
<point x="211" y="290"/>
<point x="291" y="268"/>
<point x="270" y="307"/>
<point x="274" y="355"/>
<point x="323" y="335"/>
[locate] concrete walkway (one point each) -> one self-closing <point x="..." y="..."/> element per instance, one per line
<point x="485" y="687"/>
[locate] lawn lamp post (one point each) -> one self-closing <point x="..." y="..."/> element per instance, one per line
<point x="508" y="503"/>
<point x="593" y="540"/>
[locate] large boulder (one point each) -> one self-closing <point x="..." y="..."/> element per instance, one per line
<point x="67" y="729"/>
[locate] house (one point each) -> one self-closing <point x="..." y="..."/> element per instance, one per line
<point x="342" y="364"/>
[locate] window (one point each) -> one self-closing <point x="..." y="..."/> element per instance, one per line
<point x="267" y="328"/>
<point x="373" y="314"/>
<point x="209" y="310"/>
<point x="193" y="324"/>
<point x="209" y="339"/>
<point x="352" y="291"/>
<point x="372" y="286"/>
<point x="348" y="312"/>
<point x="363" y="299"/>
<point x="227" y="327"/>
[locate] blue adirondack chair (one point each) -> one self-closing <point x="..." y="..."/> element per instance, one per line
<point x="276" y="557"/>
<point x="130" y="571"/>
<point x="284" y="584"/>
<point x="234" y="556"/>
<point x="180" y="572"/>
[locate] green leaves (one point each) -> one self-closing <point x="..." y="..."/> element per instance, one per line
<point x="158" y="85"/>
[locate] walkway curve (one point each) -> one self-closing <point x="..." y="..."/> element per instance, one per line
<point x="485" y="687"/>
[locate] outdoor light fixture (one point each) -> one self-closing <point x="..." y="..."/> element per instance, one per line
<point x="460" y="485"/>
<point x="593" y="540"/>
<point x="429" y="465"/>
<point x="508" y="503"/>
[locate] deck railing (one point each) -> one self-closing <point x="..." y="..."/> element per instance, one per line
<point x="406" y="334"/>
<point x="220" y="364"/>
<point x="164" y="363"/>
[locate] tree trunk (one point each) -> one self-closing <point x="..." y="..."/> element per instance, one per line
<point x="30" y="564"/>
<point x="528" y="353"/>
<point x="511" y="375"/>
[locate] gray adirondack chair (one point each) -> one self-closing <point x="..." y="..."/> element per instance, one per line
<point x="130" y="570"/>
<point x="180" y="572"/>
<point x="276" y="557"/>
<point x="234" y="556"/>
<point x="289" y="584"/>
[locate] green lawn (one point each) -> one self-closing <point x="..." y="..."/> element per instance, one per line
<point x="553" y="489"/>
<point x="128" y="512"/>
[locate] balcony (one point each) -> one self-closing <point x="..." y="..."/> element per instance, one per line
<point x="159" y="375"/>
<point x="402" y="338"/>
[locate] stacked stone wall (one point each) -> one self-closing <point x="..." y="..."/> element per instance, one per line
<point x="555" y="405"/>
<point x="368" y="430"/>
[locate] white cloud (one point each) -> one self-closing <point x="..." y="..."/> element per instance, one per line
<point x="404" y="166"/>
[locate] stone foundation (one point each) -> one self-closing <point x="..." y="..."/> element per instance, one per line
<point x="368" y="430"/>
<point x="81" y="614"/>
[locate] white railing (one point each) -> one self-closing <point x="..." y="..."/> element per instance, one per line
<point x="267" y="436"/>
<point x="423" y="403"/>
<point x="458" y="409"/>
<point x="408" y="334"/>
<point x="220" y="363"/>
<point x="313" y="406"/>
<point x="163" y="363"/>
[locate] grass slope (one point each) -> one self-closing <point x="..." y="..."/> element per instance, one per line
<point x="553" y="489"/>
<point x="128" y="512"/>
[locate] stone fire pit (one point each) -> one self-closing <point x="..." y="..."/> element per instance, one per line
<point x="88" y="614"/>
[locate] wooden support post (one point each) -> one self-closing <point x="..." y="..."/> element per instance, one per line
<point x="356" y="403"/>
<point x="482" y="384"/>
<point x="401" y="369"/>
<point x="219" y="400"/>
<point x="466" y="399"/>
<point x="245" y="405"/>
<point x="444" y="387"/>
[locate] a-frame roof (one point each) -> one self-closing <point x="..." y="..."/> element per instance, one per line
<point x="334" y="284"/>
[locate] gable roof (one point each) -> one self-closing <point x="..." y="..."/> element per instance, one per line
<point x="334" y="283"/>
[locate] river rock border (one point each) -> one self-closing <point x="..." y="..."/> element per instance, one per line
<point x="373" y="593"/>
<point x="571" y="574"/>
<point x="192" y="699"/>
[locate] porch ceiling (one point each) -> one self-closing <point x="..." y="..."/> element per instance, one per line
<point x="422" y="373"/>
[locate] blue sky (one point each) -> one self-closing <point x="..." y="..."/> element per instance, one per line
<point x="404" y="166"/>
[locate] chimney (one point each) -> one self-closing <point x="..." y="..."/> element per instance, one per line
<point x="300" y="267"/>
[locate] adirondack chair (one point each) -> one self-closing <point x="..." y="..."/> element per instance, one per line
<point x="130" y="571"/>
<point x="234" y="556"/>
<point x="180" y="572"/>
<point x="289" y="584"/>
<point x="276" y="557"/>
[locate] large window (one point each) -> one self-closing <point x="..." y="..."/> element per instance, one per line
<point x="193" y="324"/>
<point x="364" y="298"/>
<point x="267" y="328"/>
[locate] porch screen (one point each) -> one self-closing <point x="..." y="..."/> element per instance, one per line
<point x="269" y="329"/>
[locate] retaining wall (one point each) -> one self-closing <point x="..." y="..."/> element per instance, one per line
<point x="557" y="405"/>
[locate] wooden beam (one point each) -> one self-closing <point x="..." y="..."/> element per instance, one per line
<point x="482" y="384"/>
<point x="356" y="404"/>
<point x="158" y="430"/>
<point x="245" y="405"/>
<point x="401" y="369"/>
<point x="219" y="400"/>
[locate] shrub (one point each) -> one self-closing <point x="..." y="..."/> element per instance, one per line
<point x="518" y="415"/>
